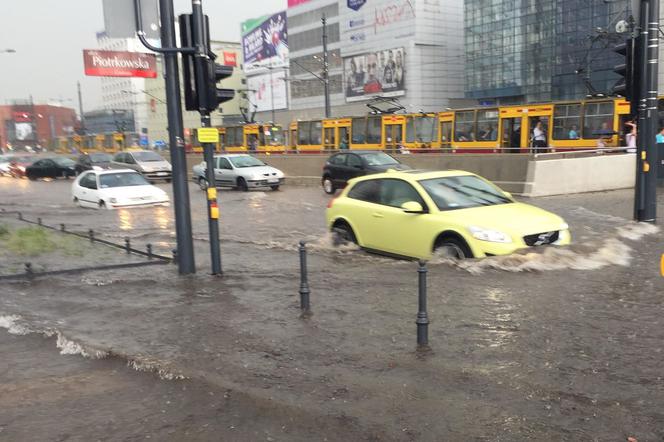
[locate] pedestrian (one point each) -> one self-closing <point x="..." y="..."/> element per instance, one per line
<point x="630" y="136"/>
<point x="539" y="137"/>
<point x="344" y="142"/>
<point x="659" y="139"/>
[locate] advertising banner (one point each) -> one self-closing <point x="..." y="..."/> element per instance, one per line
<point x="265" y="43"/>
<point x="375" y="73"/>
<point x="267" y="91"/>
<point x="119" y="64"/>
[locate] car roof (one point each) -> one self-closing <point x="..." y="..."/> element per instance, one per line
<point x="414" y="175"/>
<point x="359" y="152"/>
<point x="232" y="155"/>
<point x="110" y="171"/>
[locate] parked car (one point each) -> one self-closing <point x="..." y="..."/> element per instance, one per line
<point x="5" y="161"/>
<point x="93" y="161"/>
<point x="343" y="166"/>
<point x="116" y="188"/>
<point x="146" y="162"/>
<point x="52" y="167"/>
<point x="19" y="163"/>
<point x="239" y="171"/>
<point x="458" y="214"/>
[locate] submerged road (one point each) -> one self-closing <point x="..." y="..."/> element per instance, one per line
<point x="549" y="344"/>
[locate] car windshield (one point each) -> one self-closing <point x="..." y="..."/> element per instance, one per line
<point x="461" y="192"/>
<point x="123" y="179"/>
<point x="147" y="156"/>
<point x="100" y="158"/>
<point x="64" y="162"/>
<point x="379" y="159"/>
<point x="246" y="161"/>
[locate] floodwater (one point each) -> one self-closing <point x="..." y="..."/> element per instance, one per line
<point x="548" y="344"/>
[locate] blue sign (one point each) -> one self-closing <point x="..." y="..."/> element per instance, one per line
<point x="355" y="5"/>
<point x="144" y="140"/>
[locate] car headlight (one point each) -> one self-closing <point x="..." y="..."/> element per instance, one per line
<point x="489" y="235"/>
<point x="563" y="226"/>
<point x="21" y="168"/>
<point x="113" y="200"/>
<point x="97" y="168"/>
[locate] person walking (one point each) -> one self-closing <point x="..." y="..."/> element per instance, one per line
<point x="539" y="137"/>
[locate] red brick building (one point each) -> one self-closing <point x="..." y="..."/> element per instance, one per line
<point x="26" y="124"/>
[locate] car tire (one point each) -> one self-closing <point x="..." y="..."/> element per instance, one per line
<point x="202" y="183"/>
<point x="242" y="184"/>
<point x="343" y="233"/>
<point x="102" y="204"/>
<point x="77" y="202"/>
<point x="328" y="185"/>
<point x="275" y="188"/>
<point x="32" y="177"/>
<point x="453" y="248"/>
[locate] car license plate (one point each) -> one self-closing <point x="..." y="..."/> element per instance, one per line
<point x="273" y="180"/>
<point x="161" y="173"/>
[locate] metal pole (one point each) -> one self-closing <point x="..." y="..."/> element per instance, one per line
<point x="641" y="65"/>
<point x="80" y="106"/>
<point x="326" y="78"/>
<point x="651" y="158"/>
<point x="304" y="283"/>
<point x="201" y="58"/>
<point x="185" y="242"/>
<point x="422" y="316"/>
<point x="272" y="93"/>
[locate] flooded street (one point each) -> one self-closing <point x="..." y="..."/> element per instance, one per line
<point x="548" y="344"/>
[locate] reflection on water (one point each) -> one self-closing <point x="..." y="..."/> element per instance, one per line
<point x="499" y="326"/>
<point x="125" y="219"/>
<point x="161" y="217"/>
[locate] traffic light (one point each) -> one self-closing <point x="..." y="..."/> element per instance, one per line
<point x="626" y="86"/>
<point x="201" y="74"/>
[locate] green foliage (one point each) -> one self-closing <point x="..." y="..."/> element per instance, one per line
<point x="35" y="241"/>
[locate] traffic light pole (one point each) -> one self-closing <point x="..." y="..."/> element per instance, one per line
<point x="645" y="193"/>
<point x="185" y="242"/>
<point x="201" y="60"/>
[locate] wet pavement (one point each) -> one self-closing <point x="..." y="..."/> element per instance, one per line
<point x="550" y="344"/>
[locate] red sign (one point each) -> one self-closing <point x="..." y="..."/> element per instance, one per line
<point x="22" y="117"/>
<point x="119" y="64"/>
<point x="230" y="58"/>
<point x="292" y="3"/>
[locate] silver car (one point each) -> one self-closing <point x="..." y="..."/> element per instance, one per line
<point x="146" y="162"/>
<point x="239" y="171"/>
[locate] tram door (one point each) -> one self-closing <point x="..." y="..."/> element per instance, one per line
<point x="343" y="136"/>
<point x="445" y="134"/>
<point x="510" y="140"/>
<point x="329" y="139"/>
<point x="532" y="123"/>
<point x="393" y="136"/>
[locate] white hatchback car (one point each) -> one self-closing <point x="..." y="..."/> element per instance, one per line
<point x="114" y="189"/>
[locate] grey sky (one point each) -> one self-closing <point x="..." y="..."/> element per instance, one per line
<point x="49" y="36"/>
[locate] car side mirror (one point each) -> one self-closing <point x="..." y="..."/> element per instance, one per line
<point x="412" y="207"/>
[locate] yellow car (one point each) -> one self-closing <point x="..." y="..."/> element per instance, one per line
<point x="454" y="213"/>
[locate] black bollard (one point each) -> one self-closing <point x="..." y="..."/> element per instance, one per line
<point x="149" y="249"/>
<point x="127" y="244"/>
<point x="175" y="256"/>
<point x="91" y="235"/>
<point x="304" y="284"/>
<point x="28" y="268"/>
<point x="62" y="227"/>
<point x="39" y="221"/>
<point x="422" y="317"/>
<point x="20" y="216"/>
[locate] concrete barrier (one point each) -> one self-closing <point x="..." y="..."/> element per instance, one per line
<point x="520" y="174"/>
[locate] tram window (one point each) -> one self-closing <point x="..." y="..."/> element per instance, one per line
<point x="567" y="121"/>
<point x="464" y="126"/>
<point x="358" y="130"/>
<point x="303" y="132"/>
<point x="487" y="124"/>
<point x="373" y="130"/>
<point x="597" y="119"/>
<point x="316" y="128"/>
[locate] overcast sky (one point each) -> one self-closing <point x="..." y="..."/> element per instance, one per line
<point x="49" y="37"/>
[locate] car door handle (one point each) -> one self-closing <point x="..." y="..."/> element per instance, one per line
<point x="377" y="215"/>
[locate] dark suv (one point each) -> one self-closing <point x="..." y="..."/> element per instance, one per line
<point x="342" y="166"/>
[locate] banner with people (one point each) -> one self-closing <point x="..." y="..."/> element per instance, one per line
<point x="375" y="73"/>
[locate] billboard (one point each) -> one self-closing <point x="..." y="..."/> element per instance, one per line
<point x="268" y="91"/>
<point x="265" y="42"/>
<point x="23" y="127"/>
<point x="119" y="64"/>
<point x="379" y="23"/>
<point x="375" y="73"/>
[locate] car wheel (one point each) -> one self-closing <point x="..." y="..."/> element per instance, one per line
<point x="102" y="204"/>
<point x="452" y="248"/>
<point x="64" y="175"/>
<point x="275" y="187"/>
<point x="77" y="202"/>
<point x="242" y="184"/>
<point x="202" y="183"/>
<point x="343" y="233"/>
<point x="328" y="185"/>
<point x="32" y="177"/>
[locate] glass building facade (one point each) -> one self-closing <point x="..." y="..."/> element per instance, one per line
<point x="521" y="51"/>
